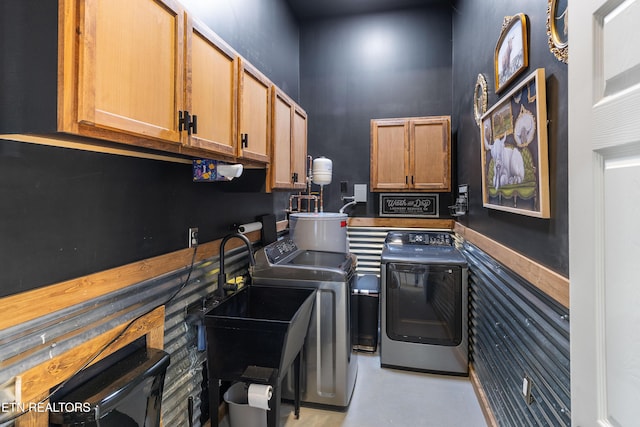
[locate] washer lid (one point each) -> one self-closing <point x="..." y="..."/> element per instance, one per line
<point x="319" y="259"/>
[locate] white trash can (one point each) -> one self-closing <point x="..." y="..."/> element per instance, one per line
<point x="240" y="413"/>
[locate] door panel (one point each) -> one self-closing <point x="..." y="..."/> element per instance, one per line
<point x="254" y="113"/>
<point x="621" y="349"/>
<point x="431" y="160"/>
<point x="389" y="154"/>
<point x="604" y="172"/>
<point x="281" y="156"/>
<point x="130" y="76"/>
<point x="212" y="97"/>
<point x="299" y="147"/>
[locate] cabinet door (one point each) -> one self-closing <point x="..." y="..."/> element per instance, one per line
<point x="430" y="150"/>
<point x="281" y="160"/>
<point x="130" y="67"/>
<point x="211" y="79"/>
<point x="299" y="147"/>
<point x="254" y="132"/>
<point x="389" y="154"/>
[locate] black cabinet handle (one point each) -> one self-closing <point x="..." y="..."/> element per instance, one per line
<point x="183" y="120"/>
<point x="187" y="122"/>
<point x="193" y="125"/>
<point x="245" y="140"/>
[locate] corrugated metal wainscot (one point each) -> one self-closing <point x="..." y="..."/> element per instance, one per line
<point x="25" y="345"/>
<point x="516" y="331"/>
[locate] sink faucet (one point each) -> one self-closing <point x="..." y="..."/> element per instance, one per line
<point x="222" y="277"/>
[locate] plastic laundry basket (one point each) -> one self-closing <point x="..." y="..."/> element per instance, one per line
<point x="240" y="413"/>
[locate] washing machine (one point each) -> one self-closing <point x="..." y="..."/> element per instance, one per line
<point x="330" y="362"/>
<point x="424" y="303"/>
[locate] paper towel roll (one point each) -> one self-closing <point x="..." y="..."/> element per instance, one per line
<point x="252" y="226"/>
<point x="259" y="395"/>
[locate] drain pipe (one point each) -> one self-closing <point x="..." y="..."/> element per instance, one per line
<point x="351" y="203"/>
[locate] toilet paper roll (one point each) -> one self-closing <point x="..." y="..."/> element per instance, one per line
<point x="247" y="228"/>
<point x="259" y="395"/>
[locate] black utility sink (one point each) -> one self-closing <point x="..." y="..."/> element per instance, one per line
<point x="258" y="326"/>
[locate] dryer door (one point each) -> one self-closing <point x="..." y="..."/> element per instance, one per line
<point x="424" y="303"/>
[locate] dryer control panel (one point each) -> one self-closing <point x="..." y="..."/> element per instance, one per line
<point x="430" y="238"/>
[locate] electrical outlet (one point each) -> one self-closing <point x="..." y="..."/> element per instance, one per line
<point x="193" y="237"/>
<point x="526" y="390"/>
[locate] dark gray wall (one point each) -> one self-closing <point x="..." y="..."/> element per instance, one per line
<point x="67" y="213"/>
<point x="357" y="68"/>
<point x="264" y="32"/>
<point x="51" y="201"/>
<point x="476" y="30"/>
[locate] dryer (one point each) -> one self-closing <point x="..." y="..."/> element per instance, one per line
<point x="424" y="303"/>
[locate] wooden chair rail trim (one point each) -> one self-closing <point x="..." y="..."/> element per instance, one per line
<point x="32" y="304"/>
<point x="482" y="398"/>
<point x="401" y="223"/>
<point x="33" y="385"/>
<point x="551" y="283"/>
<point x="41" y="378"/>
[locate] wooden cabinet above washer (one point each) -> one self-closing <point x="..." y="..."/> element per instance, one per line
<point x="411" y="154"/>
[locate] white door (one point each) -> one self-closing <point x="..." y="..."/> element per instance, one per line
<point x="604" y="209"/>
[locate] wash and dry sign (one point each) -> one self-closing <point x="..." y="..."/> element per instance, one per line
<point x="409" y="205"/>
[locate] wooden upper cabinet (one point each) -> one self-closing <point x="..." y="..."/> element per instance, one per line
<point x="288" y="143"/>
<point x="211" y="95"/>
<point x="254" y="133"/>
<point x="430" y="153"/>
<point x="144" y="73"/>
<point x="280" y="168"/>
<point x="411" y="154"/>
<point x="299" y="147"/>
<point x="389" y="154"/>
<point x="129" y="68"/>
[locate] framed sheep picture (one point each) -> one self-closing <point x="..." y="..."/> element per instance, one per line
<point x="515" y="163"/>
<point x="511" y="57"/>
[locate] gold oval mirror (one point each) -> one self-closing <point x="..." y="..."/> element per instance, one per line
<point x="558" y="29"/>
<point x="480" y="98"/>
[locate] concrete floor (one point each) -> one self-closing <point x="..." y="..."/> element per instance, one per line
<point x="389" y="397"/>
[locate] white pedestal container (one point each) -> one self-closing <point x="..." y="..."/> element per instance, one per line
<point x="324" y="231"/>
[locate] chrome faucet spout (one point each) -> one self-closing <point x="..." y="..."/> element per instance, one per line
<point x="222" y="277"/>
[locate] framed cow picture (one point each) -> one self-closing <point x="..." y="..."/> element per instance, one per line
<point x="515" y="164"/>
